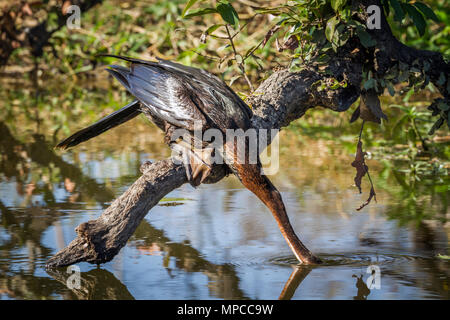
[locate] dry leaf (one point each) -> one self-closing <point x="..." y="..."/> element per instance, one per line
<point x="291" y="43"/>
<point x="65" y="6"/>
<point x="203" y="37"/>
<point x="361" y="170"/>
<point x="355" y="115"/>
<point x="360" y="165"/>
<point x="370" y="109"/>
<point x="270" y="34"/>
<point x="27" y="10"/>
<point x="277" y="45"/>
<point x="371" y="195"/>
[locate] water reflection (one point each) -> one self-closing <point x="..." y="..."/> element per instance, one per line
<point x="223" y="281"/>
<point x="363" y="290"/>
<point x="97" y="284"/>
<point x="299" y="273"/>
<point x="17" y="159"/>
<point x="219" y="241"/>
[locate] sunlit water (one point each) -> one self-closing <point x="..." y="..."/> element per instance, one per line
<point x="217" y="241"/>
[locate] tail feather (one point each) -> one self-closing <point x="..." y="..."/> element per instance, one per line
<point x="122" y="115"/>
<point x="120" y="73"/>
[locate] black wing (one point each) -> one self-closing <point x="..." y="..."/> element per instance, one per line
<point x="163" y="94"/>
<point x="181" y="94"/>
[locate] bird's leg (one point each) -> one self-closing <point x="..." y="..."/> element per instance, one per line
<point x="197" y="161"/>
<point x="201" y="165"/>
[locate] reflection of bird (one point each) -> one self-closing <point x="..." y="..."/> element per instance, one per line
<point x="174" y="96"/>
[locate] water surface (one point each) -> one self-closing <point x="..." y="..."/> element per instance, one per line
<point x="217" y="241"/>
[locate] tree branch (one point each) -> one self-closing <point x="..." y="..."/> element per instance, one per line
<point x="390" y="50"/>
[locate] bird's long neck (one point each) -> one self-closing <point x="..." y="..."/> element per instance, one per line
<point x="261" y="186"/>
<point x="252" y="178"/>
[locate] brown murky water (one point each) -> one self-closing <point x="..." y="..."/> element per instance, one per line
<point x="219" y="241"/>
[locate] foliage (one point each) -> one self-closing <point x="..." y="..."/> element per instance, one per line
<point x="314" y="30"/>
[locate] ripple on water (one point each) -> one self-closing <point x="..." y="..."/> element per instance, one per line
<point x="249" y="261"/>
<point x="353" y="259"/>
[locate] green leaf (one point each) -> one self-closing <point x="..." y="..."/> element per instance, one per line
<point x="335" y="85"/>
<point x="443" y="106"/>
<point x="364" y="37"/>
<point x="398" y="127"/>
<point x="209" y="31"/>
<point x="416" y="17"/>
<point x="436" y="126"/>
<point x="370" y="84"/>
<point x="232" y="80"/>
<point x="229" y="15"/>
<point x="188" y="5"/>
<point x="441" y="80"/>
<point x="341" y="35"/>
<point x="399" y="15"/>
<point x="249" y="51"/>
<point x="337" y="5"/>
<point x="385" y="4"/>
<point x="427" y="11"/>
<point x="331" y="27"/>
<point x="213" y="28"/>
<point x="272" y="11"/>
<point x="200" y="12"/>
<point x="390" y="88"/>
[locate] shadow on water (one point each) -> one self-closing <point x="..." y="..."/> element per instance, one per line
<point x="208" y="244"/>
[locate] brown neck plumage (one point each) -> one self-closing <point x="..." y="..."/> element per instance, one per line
<point x="251" y="177"/>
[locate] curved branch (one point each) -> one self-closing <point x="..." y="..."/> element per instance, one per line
<point x="390" y="49"/>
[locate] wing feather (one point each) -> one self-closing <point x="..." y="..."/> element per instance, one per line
<point x="181" y="95"/>
<point x="163" y="93"/>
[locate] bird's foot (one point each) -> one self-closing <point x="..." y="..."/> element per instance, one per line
<point x="197" y="162"/>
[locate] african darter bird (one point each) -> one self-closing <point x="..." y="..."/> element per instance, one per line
<point x="176" y="96"/>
